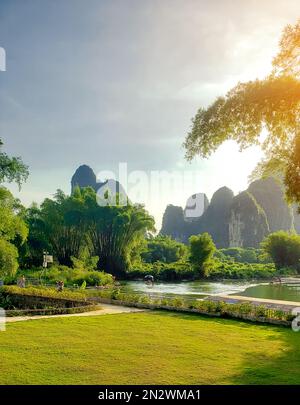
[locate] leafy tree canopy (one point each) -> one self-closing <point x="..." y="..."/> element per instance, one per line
<point x="13" y="231"/>
<point x="69" y="225"/>
<point x="272" y="104"/>
<point x="12" y="225"/>
<point x="12" y="168"/>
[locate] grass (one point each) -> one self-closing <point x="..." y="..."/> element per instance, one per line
<point x="147" y="348"/>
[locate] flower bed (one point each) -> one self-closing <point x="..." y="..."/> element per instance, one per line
<point x="243" y="310"/>
<point x="51" y="311"/>
<point x="12" y="297"/>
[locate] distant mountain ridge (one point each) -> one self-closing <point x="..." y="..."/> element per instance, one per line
<point x="236" y="221"/>
<point x="232" y="221"/>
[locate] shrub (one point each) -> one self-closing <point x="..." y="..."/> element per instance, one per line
<point x="44" y="292"/>
<point x="203" y="306"/>
<point x="242" y="255"/>
<point x="284" y="249"/>
<point x="202" y="249"/>
<point x="85" y="262"/>
<point x="180" y="270"/>
<point x="163" y="249"/>
<point x="234" y="270"/>
<point x="261" y="311"/>
<point x="66" y="274"/>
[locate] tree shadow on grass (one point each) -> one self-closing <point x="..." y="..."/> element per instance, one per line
<point x="280" y="369"/>
<point x="262" y="367"/>
<point x="211" y="319"/>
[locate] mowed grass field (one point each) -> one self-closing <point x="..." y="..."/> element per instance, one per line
<point x="147" y="348"/>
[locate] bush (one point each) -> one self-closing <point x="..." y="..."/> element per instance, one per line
<point x="202" y="249"/>
<point x="216" y="270"/>
<point x="163" y="249"/>
<point x="66" y="274"/>
<point x="85" y="262"/>
<point x="43" y="292"/>
<point x="284" y="249"/>
<point x="233" y="270"/>
<point x="242" y="255"/>
<point x="176" y="271"/>
<point x="219" y="308"/>
<point x="12" y="297"/>
<point x="52" y="311"/>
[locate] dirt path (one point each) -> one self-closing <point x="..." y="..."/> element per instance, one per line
<point x="106" y="309"/>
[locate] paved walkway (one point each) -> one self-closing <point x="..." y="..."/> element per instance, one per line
<point x="276" y="304"/>
<point x="106" y="309"/>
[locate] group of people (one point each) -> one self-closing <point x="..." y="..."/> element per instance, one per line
<point x="22" y="283"/>
<point x="60" y="285"/>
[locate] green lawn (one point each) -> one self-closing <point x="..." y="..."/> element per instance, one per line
<point x="147" y="348"/>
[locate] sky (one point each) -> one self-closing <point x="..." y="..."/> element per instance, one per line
<point x="101" y="82"/>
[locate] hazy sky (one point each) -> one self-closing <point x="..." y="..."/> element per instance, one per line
<point x="103" y="82"/>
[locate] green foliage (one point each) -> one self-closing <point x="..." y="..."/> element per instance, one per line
<point x="85" y="262"/>
<point x="51" y="311"/>
<point x="12" y="168"/>
<point x="68" y="275"/>
<point x="202" y="249"/>
<point x="272" y="103"/>
<point x="8" y="259"/>
<point x="44" y="292"/>
<point x="163" y="249"/>
<point x="115" y="231"/>
<point x="31" y="252"/>
<point x="242" y="255"/>
<point x="243" y="271"/>
<point x="220" y="308"/>
<point x="231" y="263"/>
<point x="72" y="226"/>
<point x="180" y="270"/>
<point x="12" y="226"/>
<point x="284" y="249"/>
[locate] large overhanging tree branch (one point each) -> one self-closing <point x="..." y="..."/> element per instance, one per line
<point x="272" y="104"/>
<point x="12" y="168"/>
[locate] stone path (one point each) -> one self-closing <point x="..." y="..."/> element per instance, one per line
<point x="106" y="309"/>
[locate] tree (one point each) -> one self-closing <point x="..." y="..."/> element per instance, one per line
<point x="13" y="231"/>
<point x="12" y="168"/>
<point x="202" y="249"/>
<point x="273" y="104"/>
<point x="115" y="231"/>
<point x="58" y="226"/>
<point x="8" y="259"/>
<point x="69" y="225"/>
<point x="12" y="226"/>
<point x="163" y="249"/>
<point x="284" y="249"/>
<point x="31" y="252"/>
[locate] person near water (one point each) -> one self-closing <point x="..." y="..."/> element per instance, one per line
<point x="149" y="280"/>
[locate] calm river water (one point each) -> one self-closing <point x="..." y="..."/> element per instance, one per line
<point x="200" y="289"/>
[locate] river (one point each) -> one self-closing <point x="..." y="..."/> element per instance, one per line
<point x="201" y="289"/>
